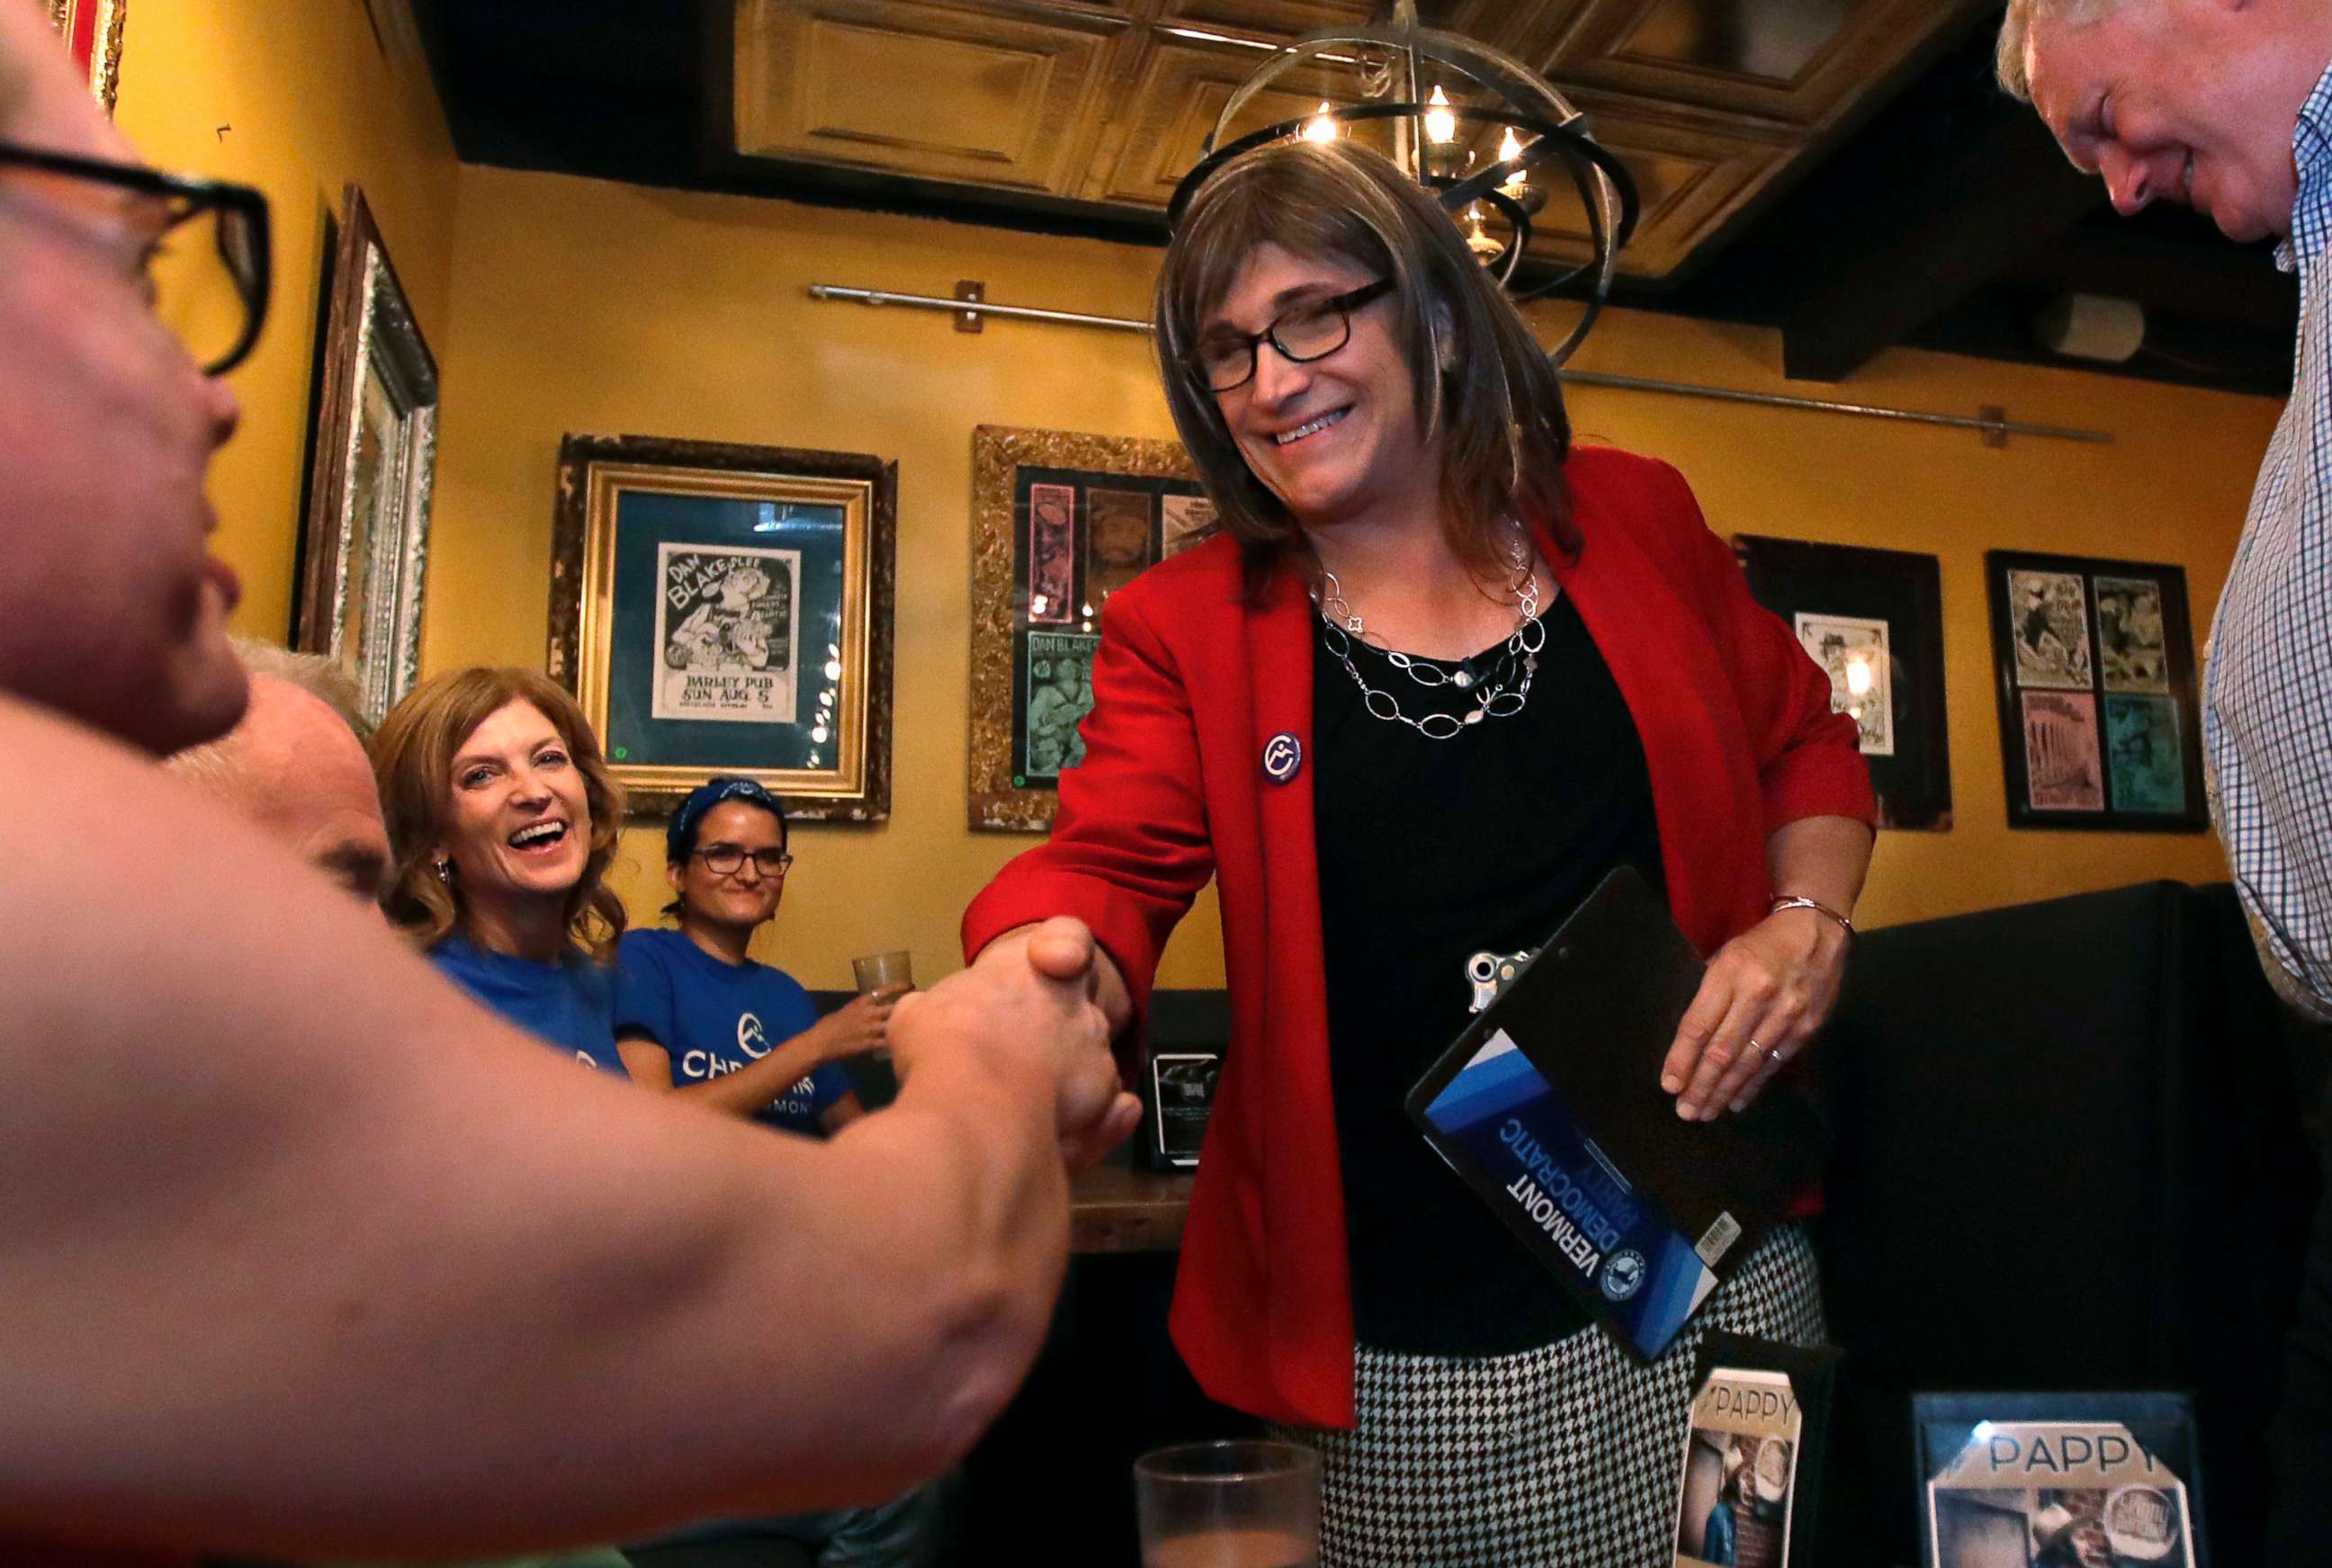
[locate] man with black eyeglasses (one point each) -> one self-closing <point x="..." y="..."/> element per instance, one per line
<point x="301" y="1253"/>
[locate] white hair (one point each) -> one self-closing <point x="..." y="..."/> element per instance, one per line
<point x="212" y="766"/>
<point x="2008" y="58"/>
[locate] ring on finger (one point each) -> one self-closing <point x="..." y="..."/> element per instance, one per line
<point x="1773" y="1052"/>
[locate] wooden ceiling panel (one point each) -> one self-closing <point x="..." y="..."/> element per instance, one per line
<point x="1278" y="20"/>
<point x="1690" y="176"/>
<point x="1803" y="62"/>
<point x="1174" y="104"/>
<point x="1005" y="101"/>
<point x="1103" y="104"/>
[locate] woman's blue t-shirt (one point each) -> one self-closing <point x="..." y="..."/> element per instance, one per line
<point x="713" y="1017"/>
<point x="569" y="1004"/>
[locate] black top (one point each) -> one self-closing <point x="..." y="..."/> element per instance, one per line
<point x="1432" y="851"/>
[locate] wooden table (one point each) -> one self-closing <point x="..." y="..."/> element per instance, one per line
<point x="1114" y="1208"/>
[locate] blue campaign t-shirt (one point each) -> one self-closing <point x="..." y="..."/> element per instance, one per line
<point x="712" y="1016"/>
<point x="569" y="1004"/>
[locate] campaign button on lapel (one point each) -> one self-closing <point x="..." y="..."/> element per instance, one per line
<point x="1283" y="754"/>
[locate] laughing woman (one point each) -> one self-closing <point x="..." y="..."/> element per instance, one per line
<point x="503" y="817"/>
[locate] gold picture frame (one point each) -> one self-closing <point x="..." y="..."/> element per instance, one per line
<point x="91" y="29"/>
<point x="727" y="609"/>
<point x="364" y="545"/>
<point x="1059" y="522"/>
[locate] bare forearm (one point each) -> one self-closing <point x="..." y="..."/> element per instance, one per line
<point x="1824" y="858"/>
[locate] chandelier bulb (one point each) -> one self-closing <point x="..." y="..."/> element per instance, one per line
<point x="1440" y="125"/>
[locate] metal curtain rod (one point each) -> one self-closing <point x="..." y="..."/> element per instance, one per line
<point x="1991" y="424"/>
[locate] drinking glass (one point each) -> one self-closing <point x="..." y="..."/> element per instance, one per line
<point x="1233" y="1505"/>
<point x="884" y="975"/>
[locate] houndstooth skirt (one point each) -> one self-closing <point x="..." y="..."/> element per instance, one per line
<point x="1568" y="1455"/>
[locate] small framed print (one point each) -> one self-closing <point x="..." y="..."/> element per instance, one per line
<point x="1060" y="521"/>
<point x="2067" y="1480"/>
<point x="2097" y="715"/>
<point x="1873" y="620"/>
<point x="1181" y="1094"/>
<point x="728" y="609"/>
<point x="1855" y="653"/>
<point x="1740" y="1470"/>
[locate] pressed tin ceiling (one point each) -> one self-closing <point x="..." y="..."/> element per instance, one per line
<point x="1843" y="170"/>
<point x="1103" y="105"/>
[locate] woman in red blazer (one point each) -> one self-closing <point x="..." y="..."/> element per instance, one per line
<point x="1437" y="674"/>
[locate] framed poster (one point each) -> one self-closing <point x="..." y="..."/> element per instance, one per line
<point x="2095" y="663"/>
<point x="1872" y="618"/>
<point x="728" y="609"/>
<point x="364" y="545"/>
<point x="2063" y="1480"/>
<point x="1060" y="521"/>
<point x="91" y="29"/>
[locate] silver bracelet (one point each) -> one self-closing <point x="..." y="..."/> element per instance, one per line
<point x="1794" y="901"/>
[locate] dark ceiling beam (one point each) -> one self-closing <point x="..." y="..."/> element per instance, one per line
<point x="2206" y="278"/>
<point x="1978" y="206"/>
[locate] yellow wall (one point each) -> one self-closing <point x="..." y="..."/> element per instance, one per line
<point x="298" y="101"/>
<point x="581" y="306"/>
<point x="2173" y="486"/>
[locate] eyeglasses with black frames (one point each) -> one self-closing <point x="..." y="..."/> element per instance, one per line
<point x="1302" y="333"/>
<point x="204" y="261"/>
<point x="729" y="859"/>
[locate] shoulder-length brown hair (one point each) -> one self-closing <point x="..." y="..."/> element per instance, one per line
<point x="1485" y="389"/>
<point x="413" y="759"/>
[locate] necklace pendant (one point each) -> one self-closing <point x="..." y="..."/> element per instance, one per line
<point x="1353" y="625"/>
<point x="1460" y="680"/>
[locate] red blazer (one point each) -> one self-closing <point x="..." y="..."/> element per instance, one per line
<point x="1190" y="684"/>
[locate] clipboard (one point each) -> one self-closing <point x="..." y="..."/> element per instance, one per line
<point x="1549" y="1107"/>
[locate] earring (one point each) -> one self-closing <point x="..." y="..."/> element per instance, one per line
<point x="445" y="872"/>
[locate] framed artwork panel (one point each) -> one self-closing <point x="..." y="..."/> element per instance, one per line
<point x="2059" y="1477"/>
<point x="721" y="608"/>
<point x="2095" y="662"/>
<point x="1060" y="521"/>
<point x="1873" y="619"/>
<point x="364" y="545"/>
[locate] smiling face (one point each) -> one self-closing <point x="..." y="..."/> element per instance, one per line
<point x="1337" y="439"/>
<point x="519" y="827"/>
<point x="2186" y="100"/>
<point x="741" y="899"/>
<point x="110" y="608"/>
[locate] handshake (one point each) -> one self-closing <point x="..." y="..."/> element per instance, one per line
<point x="1039" y="1006"/>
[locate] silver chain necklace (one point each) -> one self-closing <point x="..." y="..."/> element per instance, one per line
<point x="1492" y="697"/>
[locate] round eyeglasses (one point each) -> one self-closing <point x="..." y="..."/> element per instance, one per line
<point x="1302" y="333"/>
<point x="727" y="859"/>
<point x="203" y="259"/>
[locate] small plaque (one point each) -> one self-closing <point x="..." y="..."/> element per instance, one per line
<point x="1180" y="1092"/>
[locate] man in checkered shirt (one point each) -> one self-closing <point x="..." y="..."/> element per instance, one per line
<point x="2226" y="106"/>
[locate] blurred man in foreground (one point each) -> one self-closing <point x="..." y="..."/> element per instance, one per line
<point x="301" y="1253"/>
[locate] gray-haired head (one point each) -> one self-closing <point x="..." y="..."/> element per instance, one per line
<point x="295" y="766"/>
<point x="2016" y="28"/>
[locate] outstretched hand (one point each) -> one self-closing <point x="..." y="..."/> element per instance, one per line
<point x="1093" y="1112"/>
